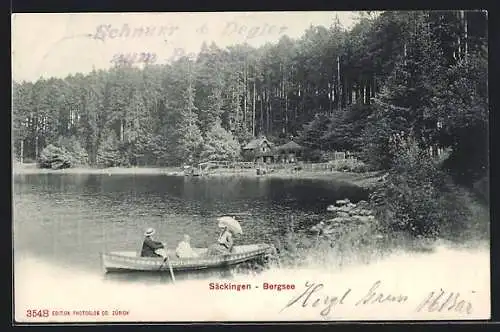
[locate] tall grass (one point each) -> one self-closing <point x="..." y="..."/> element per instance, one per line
<point x="350" y="244"/>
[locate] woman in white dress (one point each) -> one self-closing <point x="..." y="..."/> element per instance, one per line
<point x="184" y="249"/>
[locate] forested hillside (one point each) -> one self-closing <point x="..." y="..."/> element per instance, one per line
<point x="422" y="74"/>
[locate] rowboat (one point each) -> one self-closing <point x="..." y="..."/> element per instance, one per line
<point x="117" y="261"/>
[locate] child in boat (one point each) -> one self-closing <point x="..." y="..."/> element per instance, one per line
<point x="184" y="249"/>
<point x="224" y="243"/>
<point x="150" y="247"/>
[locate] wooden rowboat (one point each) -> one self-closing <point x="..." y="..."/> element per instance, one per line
<point x="117" y="261"/>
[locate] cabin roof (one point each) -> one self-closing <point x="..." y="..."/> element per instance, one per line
<point x="290" y="146"/>
<point x="255" y="143"/>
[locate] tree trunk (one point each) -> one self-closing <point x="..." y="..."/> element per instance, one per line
<point x="466" y="28"/>
<point x="245" y="94"/>
<point x="121" y="130"/>
<point x="286" y="112"/>
<point x="331" y="87"/>
<point x="284" y="95"/>
<point x="253" y="110"/>
<point x="339" y="88"/>
<point x="22" y="151"/>
<point x="262" y="98"/>
<point x="36" y="147"/>
<point x="236" y="119"/>
<point x="363" y="94"/>
<point x="268" y="113"/>
<point x="404" y="54"/>
<point x="367" y="93"/>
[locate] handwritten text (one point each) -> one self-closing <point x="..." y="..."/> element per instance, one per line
<point x="445" y="301"/>
<point x="247" y="32"/>
<point x="108" y="31"/>
<point x="313" y="297"/>
<point x="373" y="296"/>
<point x="131" y="58"/>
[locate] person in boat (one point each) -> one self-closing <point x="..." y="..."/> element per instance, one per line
<point x="150" y="246"/>
<point x="224" y="244"/>
<point x="184" y="249"/>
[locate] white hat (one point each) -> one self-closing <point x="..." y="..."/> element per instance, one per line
<point x="224" y="220"/>
<point x="149" y="232"/>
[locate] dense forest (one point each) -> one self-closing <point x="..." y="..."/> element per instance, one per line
<point x="423" y="73"/>
<point x="407" y="92"/>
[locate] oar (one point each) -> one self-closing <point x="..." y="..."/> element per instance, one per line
<point x="167" y="259"/>
<point x="170" y="268"/>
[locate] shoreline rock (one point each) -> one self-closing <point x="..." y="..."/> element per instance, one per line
<point x="344" y="213"/>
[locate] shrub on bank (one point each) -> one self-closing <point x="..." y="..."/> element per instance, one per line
<point x="77" y="154"/>
<point x="417" y="196"/>
<point x="349" y="165"/>
<point x="66" y="153"/>
<point x="54" y="157"/>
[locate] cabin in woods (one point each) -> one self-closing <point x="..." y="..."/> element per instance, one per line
<point x="259" y="150"/>
<point x="289" y="152"/>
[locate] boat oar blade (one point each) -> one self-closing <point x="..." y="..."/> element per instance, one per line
<point x="171" y="269"/>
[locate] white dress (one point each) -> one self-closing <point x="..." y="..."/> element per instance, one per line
<point x="184" y="250"/>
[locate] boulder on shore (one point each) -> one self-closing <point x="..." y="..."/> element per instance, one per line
<point x="346" y="215"/>
<point x="342" y="202"/>
<point x="363" y="204"/>
<point x="331" y="208"/>
<point x="344" y="209"/>
<point x="339" y="220"/>
<point x="343" y="214"/>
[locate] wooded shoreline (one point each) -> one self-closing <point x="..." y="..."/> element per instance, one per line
<point x="366" y="179"/>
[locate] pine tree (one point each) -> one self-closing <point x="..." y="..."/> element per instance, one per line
<point x="108" y="154"/>
<point x="219" y="144"/>
<point x="190" y="139"/>
<point x="410" y="96"/>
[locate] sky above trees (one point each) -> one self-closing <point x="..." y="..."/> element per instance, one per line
<point x="55" y="45"/>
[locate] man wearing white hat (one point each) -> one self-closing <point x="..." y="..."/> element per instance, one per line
<point x="149" y="246"/>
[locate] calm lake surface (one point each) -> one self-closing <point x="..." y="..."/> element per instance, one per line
<point x="68" y="219"/>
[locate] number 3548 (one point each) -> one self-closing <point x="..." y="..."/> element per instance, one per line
<point x="37" y="313"/>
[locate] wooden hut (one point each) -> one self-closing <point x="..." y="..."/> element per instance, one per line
<point x="259" y="150"/>
<point x="289" y="152"/>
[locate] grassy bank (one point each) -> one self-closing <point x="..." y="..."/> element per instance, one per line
<point x="362" y="245"/>
<point x="365" y="180"/>
<point x="350" y="241"/>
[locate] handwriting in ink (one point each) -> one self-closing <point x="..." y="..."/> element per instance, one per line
<point x="314" y="298"/>
<point x="253" y="31"/>
<point x="144" y="57"/>
<point x="107" y="31"/>
<point x="179" y="52"/>
<point x="373" y="297"/>
<point x="444" y="301"/>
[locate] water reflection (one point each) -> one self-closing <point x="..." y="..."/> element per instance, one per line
<point x="72" y="218"/>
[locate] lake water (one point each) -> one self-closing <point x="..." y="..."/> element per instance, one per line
<point x="70" y="219"/>
<point x="62" y="223"/>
